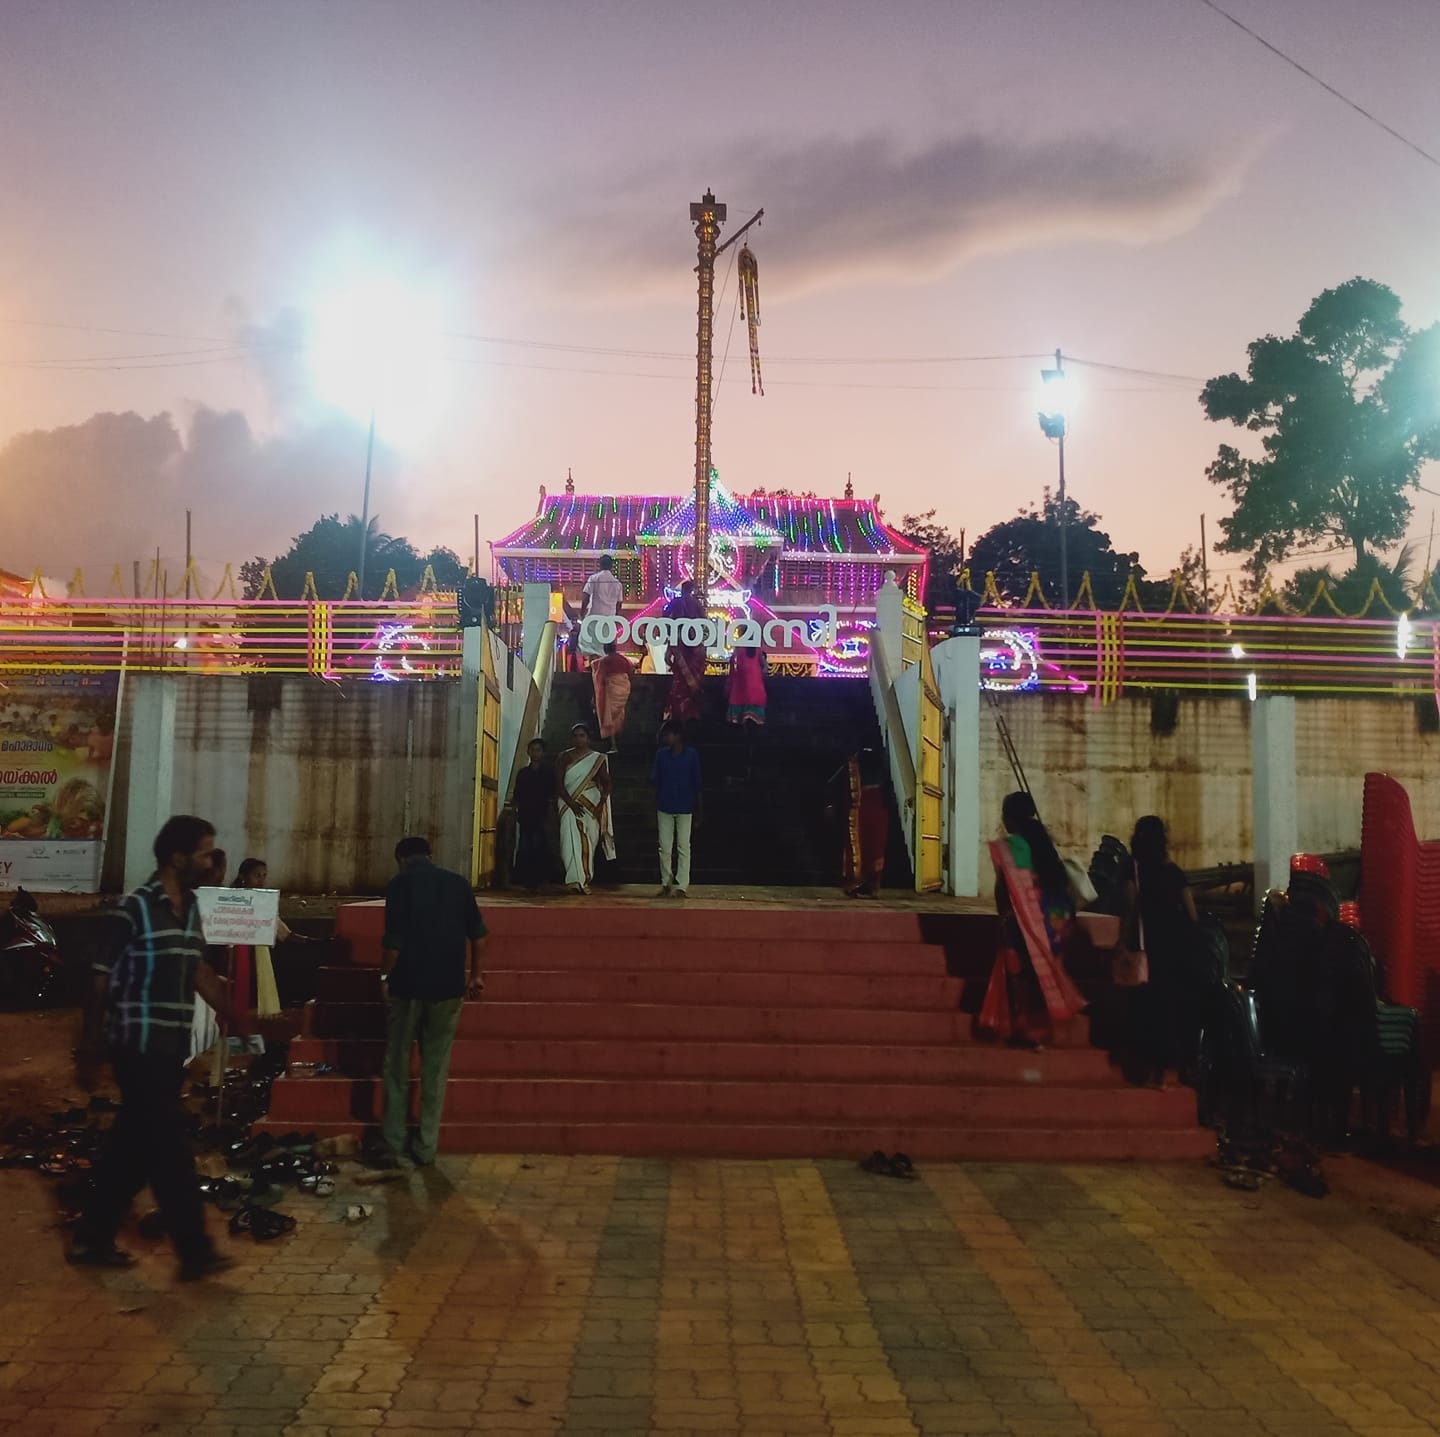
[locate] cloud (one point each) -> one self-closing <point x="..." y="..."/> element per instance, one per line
<point x="115" y="488"/>
<point x="864" y="209"/>
<point x="277" y="350"/>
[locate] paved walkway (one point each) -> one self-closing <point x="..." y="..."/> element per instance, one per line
<point x="522" y="1296"/>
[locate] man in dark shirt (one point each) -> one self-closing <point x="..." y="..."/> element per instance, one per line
<point x="535" y="793"/>
<point x="676" y="777"/>
<point x="430" y="963"/>
<point x="140" y="1011"/>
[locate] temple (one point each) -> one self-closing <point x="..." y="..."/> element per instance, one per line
<point x="781" y="555"/>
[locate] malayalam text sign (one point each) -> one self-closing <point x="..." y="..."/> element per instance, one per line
<point x="239" y="915"/>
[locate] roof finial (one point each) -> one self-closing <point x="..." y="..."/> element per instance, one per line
<point x="849" y="486"/>
<point x="569" y="482"/>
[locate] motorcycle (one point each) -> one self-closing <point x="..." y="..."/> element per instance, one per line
<point x="31" y="973"/>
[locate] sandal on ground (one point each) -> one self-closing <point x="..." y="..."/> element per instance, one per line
<point x="877" y="1162"/>
<point x="261" y="1223"/>
<point x="902" y="1167"/>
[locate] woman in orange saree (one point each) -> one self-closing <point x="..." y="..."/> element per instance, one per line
<point x="611" y="676"/>
<point x="1029" y="990"/>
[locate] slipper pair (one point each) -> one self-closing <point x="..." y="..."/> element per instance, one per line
<point x="898" y="1166"/>
<point x="263" y="1224"/>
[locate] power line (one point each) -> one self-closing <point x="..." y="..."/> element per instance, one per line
<point x="98" y="359"/>
<point x="663" y="354"/>
<point x="1159" y="375"/>
<point x="220" y="353"/>
<point x="101" y="329"/>
<point x="1324" y="84"/>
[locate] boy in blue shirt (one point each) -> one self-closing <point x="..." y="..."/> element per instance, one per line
<point x="676" y="777"/>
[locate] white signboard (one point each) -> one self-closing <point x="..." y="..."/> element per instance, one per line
<point x="51" y="867"/>
<point x="239" y="915"/>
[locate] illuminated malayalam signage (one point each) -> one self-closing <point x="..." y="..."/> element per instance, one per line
<point x="733" y="633"/>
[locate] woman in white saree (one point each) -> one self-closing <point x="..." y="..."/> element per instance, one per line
<point x="584" y="810"/>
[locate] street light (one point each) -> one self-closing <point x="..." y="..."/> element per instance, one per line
<point x="1055" y="404"/>
<point x="375" y="354"/>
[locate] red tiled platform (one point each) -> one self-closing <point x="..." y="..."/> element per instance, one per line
<point x="824" y="1031"/>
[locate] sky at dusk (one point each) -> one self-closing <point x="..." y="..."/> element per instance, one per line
<point x="1132" y="180"/>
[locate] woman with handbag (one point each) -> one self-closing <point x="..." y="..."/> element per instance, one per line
<point x="1029" y="989"/>
<point x="1157" y="936"/>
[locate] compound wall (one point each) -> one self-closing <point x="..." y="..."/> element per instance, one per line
<point x="320" y="779"/>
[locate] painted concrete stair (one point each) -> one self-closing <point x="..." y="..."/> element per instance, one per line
<point x="765" y="793"/>
<point x="816" y="1031"/>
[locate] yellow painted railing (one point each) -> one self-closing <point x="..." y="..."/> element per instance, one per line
<point x="384" y="641"/>
<point x="1108" y="655"/>
<point x="913" y="639"/>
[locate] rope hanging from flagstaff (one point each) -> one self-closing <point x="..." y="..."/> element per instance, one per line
<point x="749" y="271"/>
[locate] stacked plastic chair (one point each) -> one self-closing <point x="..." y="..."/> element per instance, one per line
<point x="1400" y="902"/>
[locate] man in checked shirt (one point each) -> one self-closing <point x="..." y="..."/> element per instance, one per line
<point x="140" y="1010"/>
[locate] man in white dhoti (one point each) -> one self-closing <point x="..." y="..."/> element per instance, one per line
<point x="584" y="810"/>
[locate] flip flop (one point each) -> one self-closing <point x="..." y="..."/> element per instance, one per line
<point x="263" y="1224"/>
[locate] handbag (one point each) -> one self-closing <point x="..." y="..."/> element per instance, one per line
<point x="1082" y="890"/>
<point x="1130" y="967"/>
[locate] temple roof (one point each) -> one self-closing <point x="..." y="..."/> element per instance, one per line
<point x="588" y="524"/>
<point x="727" y="516"/>
<point x="830" y="526"/>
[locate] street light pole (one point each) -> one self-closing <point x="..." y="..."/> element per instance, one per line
<point x="1054" y="422"/>
<point x="1064" y="513"/>
<point x="365" y="509"/>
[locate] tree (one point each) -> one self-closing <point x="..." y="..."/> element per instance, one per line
<point x="1347" y="410"/>
<point x="1030" y="543"/>
<point x="1352" y="589"/>
<point x="947" y="555"/>
<point x="330" y="550"/>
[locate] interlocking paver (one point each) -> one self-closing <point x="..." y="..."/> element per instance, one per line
<point x="607" y="1296"/>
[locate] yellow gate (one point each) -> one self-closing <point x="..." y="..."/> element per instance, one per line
<point x="929" y="782"/>
<point x="487" y="770"/>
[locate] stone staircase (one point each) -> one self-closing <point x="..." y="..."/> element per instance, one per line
<point x="765" y="792"/>
<point x="728" y="1030"/>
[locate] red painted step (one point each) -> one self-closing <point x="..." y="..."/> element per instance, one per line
<point x="706" y="955"/>
<point x="734" y="1030"/>
<point x="774" y="1140"/>
<point x="583" y="923"/>
<point x="470" y="1100"/>
<point x="624" y="1022"/>
<point x="777" y="1062"/>
<point x="780" y="990"/>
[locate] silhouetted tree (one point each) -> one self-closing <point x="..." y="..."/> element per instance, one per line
<point x="330" y="550"/>
<point x="1351" y="588"/>
<point x="1347" y="410"/>
<point x="947" y="555"/>
<point x="1030" y="543"/>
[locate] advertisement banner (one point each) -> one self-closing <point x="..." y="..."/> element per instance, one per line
<point x="57" y="741"/>
<point x="239" y="915"/>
